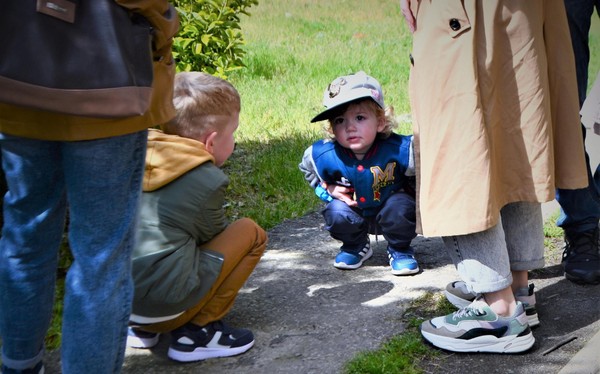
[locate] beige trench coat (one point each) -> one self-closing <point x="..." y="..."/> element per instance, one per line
<point x="495" y="110"/>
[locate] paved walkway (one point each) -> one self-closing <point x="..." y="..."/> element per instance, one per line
<point x="309" y="317"/>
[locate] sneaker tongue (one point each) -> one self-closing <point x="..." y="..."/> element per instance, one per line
<point x="475" y="309"/>
<point x="479" y="300"/>
<point x="478" y="303"/>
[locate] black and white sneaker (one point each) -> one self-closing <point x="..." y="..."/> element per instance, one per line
<point x="194" y="343"/>
<point x="137" y="338"/>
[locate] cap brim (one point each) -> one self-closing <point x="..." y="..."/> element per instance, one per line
<point x="327" y="112"/>
<point x="323" y="115"/>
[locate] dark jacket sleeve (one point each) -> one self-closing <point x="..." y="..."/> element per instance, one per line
<point x="161" y="15"/>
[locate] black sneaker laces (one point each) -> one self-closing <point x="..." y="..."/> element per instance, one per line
<point x="585" y="246"/>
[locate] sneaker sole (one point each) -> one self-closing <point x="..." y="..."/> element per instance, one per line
<point x="491" y="344"/>
<point x="583" y="280"/>
<point x="343" y="265"/>
<point x="142" y="343"/>
<point x="202" y="353"/>
<point x="406" y="271"/>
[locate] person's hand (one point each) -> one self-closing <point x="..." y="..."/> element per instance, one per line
<point x="408" y="15"/>
<point x="342" y="193"/>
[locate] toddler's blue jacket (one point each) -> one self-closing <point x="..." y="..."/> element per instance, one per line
<point x="388" y="167"/>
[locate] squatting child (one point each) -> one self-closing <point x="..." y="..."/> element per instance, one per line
<point x="190" y="263"/>
<point x="365" y="173"/>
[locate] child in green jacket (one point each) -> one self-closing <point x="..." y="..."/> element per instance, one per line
<point x="190" y="263"/>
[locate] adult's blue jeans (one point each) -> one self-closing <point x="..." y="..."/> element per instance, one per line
<point x="580" y="209"/>
<point x="99" y="182"/>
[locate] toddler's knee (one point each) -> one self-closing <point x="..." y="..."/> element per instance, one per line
<point x="338" y="213"/>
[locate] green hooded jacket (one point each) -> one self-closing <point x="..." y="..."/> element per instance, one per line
<point x="181" y="208"/>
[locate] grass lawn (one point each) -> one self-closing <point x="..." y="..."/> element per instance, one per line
<point x="294" y="49"/>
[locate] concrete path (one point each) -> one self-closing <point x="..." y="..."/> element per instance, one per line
<point x="309" y="317"/>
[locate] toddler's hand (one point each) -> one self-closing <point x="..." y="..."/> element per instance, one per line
<point x="342" y="193"/>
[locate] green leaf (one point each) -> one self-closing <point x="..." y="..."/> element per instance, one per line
<point x="210" y="36"/>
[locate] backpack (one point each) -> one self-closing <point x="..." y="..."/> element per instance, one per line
<point x="77" y="57"/>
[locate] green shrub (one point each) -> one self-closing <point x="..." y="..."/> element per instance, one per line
<point x="210" y="37"/>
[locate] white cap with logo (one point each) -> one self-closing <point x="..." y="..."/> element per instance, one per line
<point x="349" y="88"/>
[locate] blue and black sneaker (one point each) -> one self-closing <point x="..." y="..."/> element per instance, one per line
<point x="402" y="263"/>
<point x="353" y="260"/>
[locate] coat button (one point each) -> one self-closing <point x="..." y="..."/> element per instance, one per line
<point x="454" y="24"/>
<point x="362" y="199"/>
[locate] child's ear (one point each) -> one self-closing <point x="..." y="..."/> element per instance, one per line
<point x="210" y="141"/>
<point x="381" y="125"/>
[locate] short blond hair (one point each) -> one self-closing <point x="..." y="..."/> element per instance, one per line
<point x="200" y="100"/>
<point x="386" y="114"/>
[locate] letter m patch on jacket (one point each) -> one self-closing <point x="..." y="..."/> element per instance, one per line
<point x="382" y="178"/>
